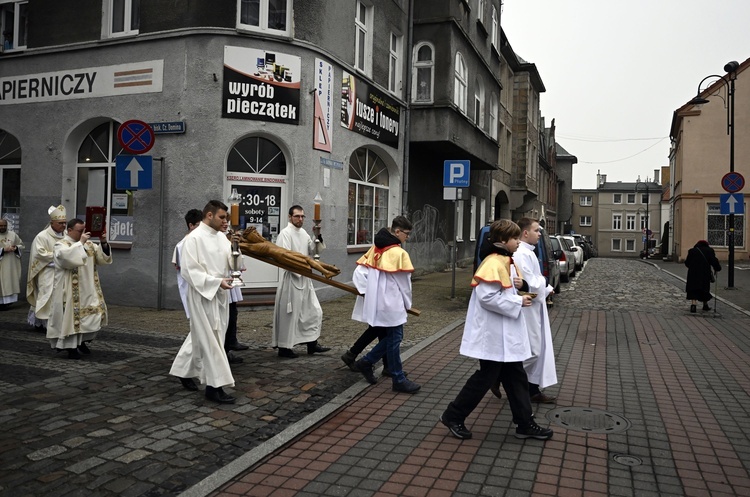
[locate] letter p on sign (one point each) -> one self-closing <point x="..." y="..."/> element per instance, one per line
<point x="456" y="173"/>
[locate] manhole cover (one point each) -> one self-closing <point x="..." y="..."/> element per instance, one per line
<point x="627" y="460"/>
<point x="588" y="419"/>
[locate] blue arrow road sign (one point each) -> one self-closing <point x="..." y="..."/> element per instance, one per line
<point x="456" y="173"/>
<point x="732" y="203"/>
<point x="134" y="172"/>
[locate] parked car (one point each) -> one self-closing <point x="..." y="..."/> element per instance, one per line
<point x="583" y="243"/>
<point x="577" y="250"/>
<point x="566" y="261"/>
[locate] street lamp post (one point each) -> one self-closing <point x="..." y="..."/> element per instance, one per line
<point x="731" y="69"/>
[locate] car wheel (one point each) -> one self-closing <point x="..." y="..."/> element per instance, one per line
<point x="564" y="278"/>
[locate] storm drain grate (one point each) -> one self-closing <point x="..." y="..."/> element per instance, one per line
<point x="588" y="419"/>
<point x="627" y="460"/>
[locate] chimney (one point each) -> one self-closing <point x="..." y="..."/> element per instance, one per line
<point x="602" y="179"/>
<point x="656" y="176"/>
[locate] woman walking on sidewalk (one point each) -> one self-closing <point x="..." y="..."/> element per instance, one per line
<point x="701" y="262"/>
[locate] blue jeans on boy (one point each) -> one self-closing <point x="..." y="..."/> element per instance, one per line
<point x="389" y="347"/>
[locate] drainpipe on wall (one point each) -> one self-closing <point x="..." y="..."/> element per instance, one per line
<point x="407" y="126"/>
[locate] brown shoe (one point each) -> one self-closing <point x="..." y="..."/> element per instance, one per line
<point x="543" y="398"/>
<point x="495" y="389"/>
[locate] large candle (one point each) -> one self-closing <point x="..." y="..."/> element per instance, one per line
<point x="317" y="212"/>
<point x="235" y="220"/>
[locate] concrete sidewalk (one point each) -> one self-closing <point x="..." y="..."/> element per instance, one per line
<point x="652" y="400"/>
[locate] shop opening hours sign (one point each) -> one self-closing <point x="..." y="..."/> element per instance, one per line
<point x="260" y="206"/>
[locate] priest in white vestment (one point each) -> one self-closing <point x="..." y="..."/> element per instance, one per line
<point x="205" y="260"/>
<point x="297" y="316"/>
<point x="10" y="264"/>
<point x="41" y="273"/>
<point x="540" y="368"/>
<point x="78" y="307"/>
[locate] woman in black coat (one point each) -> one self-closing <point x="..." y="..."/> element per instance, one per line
<point x="700" y="261"/>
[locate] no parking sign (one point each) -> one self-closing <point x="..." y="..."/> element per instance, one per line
<point x="136" y="137"/>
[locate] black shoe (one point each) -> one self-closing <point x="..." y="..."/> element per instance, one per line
<point x="84" y="349"/>
<point x="218" y="395"/>
<point x="706" y="307"/>
<point x="189" y="384"/>
<point x="458" y="430"/>
<point x="288" y="353"/>
<point x="495" y="389"/>
<point x="73" y="354"/>
<point x="386" y="372"/>
<point x="233" y="359"/>
<point x="406" y="386"/>
<point x="238" y="346"/>
<point x="693" y="308"/>
<point x="533" y="430"/>
<point x="365" y="368"/>
<point x="315" y="347"/>
<point x="349" y="359"/>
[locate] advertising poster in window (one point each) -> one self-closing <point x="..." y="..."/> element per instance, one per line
<point x="260" y="206"/>
<point x="368" y="111"/>
<point x="260" y="85"/>
<point x="323" y="114"/>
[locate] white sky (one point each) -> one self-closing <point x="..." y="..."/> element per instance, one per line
<point x="615" y="72"/>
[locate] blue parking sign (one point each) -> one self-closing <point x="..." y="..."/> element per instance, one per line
<point x="456" y="173"/>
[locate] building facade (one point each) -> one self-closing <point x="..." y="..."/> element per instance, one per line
<point x="279" y="100"/>
<point x="699" y="159"/>
<point x="584" y="217"/>
<point x="566" y="219"/>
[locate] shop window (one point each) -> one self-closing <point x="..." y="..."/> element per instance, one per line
<point x="368" y="197"/>
<point x="123" y="17"/>
<point x="267" y="16"/>
<point x="424" y="72"/>
<point x="256" y="155"/>
<point x="10" y="179"/>
<point x="95" y="182"/>
<point x="14" y="19"/>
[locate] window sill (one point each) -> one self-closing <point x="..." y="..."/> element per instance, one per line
<point x="357" y="250"/>
<point x="121" y="245"/>
<point x="482" y="28"/>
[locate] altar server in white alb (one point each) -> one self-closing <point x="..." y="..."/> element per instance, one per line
<point x="297" y="317"/>
<point x="205" y="259"/>
<point x="10" y="264"/>
<point x="41" y="273"/>
<point x="540" y="368"/>
<point x="78" y="307"/>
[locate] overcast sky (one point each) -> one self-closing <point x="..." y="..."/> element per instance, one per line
<point x="616" y="71"/>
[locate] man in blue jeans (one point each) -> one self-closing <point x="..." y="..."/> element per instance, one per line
<point x="383" y="276"/>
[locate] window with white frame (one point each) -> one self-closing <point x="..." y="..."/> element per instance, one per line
<point x="480" y="11"/>
<point x="617" y="198"/>
<point x="363" y="38"/>
<point x="272" y="17"/>
<point x="493" y="116"/>
<point x="717" y="227"/>
<point x="482" y="214"/>
<point x="584" y="221"/>
<point x="644" y="198"/>
<point x="368" y="197"/>
<point x="459" y="83"/>
<point x="424" y="72"/>
<point x="631" y="198"/>
<point x="394" y="64"/>
<point x="123" y="17"/>
<point x="644" y="222"/>
<point x="495" y="29"/>
<point x="95" y="178"/>
<point x="630" y="245"/>
<point x="460" y="221"/>
<point x="586" y="200"/>
<point x="14" y="17"/>
<point x="10" y="179"/>
<point x="616" y="245"/>
<point x="473" y="225"/>
<point x="616" y="221"/>
<point x="630" y="222"/>
<point x="479" y="102"/>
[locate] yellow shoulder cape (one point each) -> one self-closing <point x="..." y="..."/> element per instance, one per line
<point x="391" y="259"/>
<point x="495" y="268"/>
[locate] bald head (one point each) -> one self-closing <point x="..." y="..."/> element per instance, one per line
<point x="3" y="226"/>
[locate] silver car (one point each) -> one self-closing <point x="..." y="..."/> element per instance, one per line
<point x="578" y="251"/>
<point x="567" y="258"/>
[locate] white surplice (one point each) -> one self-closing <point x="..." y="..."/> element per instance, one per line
<point x="204" y="262"/>
<point x="540" y="368"/>
<point x="182" y="285"/>
<point x="10" y="267"/>
<point x="297" y="316"/>
<point x="41" y="275"/>
<point x="78" y="308"/>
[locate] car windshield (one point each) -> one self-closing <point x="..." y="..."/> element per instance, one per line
<point x="555" y="243"/>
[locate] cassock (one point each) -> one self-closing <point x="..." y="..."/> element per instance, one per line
<point x="495" y="329"/>
<point x="297" y="317"/>
<point x="540" y="368"/>
<point x="182" y="285"/>
<point x="41" y="275"/>
<point x="204" y="262"/>
<point x="10" y="267"/>
<point x="78" y="308"/>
